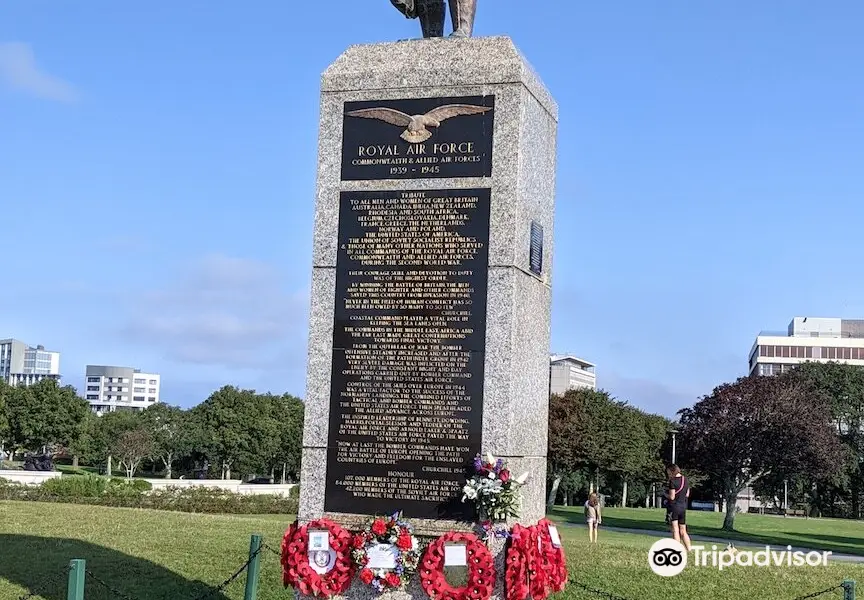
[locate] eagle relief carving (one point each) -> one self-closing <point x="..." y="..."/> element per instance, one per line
<point x="416" y="126"/>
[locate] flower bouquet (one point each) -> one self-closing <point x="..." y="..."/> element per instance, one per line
<point x="494" y="491"/>
<point x="486" y="530"/>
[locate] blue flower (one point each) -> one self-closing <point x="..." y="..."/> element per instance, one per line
<point x="478" y="463"/>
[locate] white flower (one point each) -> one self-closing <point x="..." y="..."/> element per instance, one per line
<point x="492" y="475"/>
<point x="521" y="479"/>
<point x="490" y="459"/>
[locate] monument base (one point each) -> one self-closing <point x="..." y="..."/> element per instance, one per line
<point x="414" y="590"/>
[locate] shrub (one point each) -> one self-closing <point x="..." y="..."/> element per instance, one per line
<point x="76" y="486"/>
<point x="200" y="499"/>
<point x="120" y="493"/>
<point x="139" y="485"/>
<point x="122" y="488"/>
<point x="142" y="485"/>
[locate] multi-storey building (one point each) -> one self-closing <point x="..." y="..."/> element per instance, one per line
<point x="109" y="389"/>
<point x="570" y="372"/>
<point x="808" y="339"/>
<point x="21" y="364"/>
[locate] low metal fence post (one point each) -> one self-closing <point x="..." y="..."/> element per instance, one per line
<point x="254" y="569"/>
<point x="849" y="589"/>
<point x="77" y="575"/>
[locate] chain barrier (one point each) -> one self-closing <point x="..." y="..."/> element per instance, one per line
<point x="273" y="550"/>
<point x="114" y="591"/>
<point x="51" y="579"/>
<point x="822" y="593"/>
<point x="596" y="592"/>
<point x="237" y="573"/>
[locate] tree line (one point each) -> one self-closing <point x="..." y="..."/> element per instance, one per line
<point x="800" y="431"/>
<point x="799" y="434"/>
<point x="598" y="443"/>
<point x="233" y="432"/>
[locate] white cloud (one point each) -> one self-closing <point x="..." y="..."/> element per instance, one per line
<point x="19" y="71"/>
<point x="223" y="311"/>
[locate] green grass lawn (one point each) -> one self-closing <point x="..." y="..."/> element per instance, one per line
<point x="821" y="534"/>
<point x="70" y="470"/>
<point x="152" y="555"/>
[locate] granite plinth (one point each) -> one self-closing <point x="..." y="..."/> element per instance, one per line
<point x="477" y="61"/>
<point x="515" y="385"/>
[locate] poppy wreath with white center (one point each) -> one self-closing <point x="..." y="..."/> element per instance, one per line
<point x="481" y="569"/>
<point x="296" y="571"/>
<point x="391" y="531"/>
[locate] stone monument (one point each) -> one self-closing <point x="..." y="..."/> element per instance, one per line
<point x="430" y="316"/>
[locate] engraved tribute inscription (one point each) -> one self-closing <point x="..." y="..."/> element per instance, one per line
<point x="408" y="351"/>
<point x="415" y="139"/>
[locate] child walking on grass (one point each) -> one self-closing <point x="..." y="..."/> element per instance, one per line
<point x="592" y="516"/>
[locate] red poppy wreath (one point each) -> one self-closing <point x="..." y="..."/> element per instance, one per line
<point x="521" y="571"/>
<point x="481" y="569"/>
<point x="550" y="556"/>
<point x="315" y="569"/>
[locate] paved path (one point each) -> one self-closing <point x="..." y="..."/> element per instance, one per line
<point x="722" y="543"/>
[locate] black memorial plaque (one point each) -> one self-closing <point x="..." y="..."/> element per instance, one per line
<point x="416" y="139"/>
<point x="406" y="391"/>
<point x="535" y="258"/>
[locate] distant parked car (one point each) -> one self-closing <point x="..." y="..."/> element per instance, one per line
<point x="261" y="481"/>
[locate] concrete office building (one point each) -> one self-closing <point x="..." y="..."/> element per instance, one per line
<point x="569" y="373"/>
<point x="21" y="364"/>
<point x="808" y="339"/>
<point x="110" y="389"/>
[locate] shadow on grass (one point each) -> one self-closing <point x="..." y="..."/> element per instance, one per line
<point x="850" y="542"/>
<point x="842" y="545"/>
<point x="39" y="564"/>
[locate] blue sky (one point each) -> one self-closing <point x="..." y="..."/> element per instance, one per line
<point x="157" y="172"/>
